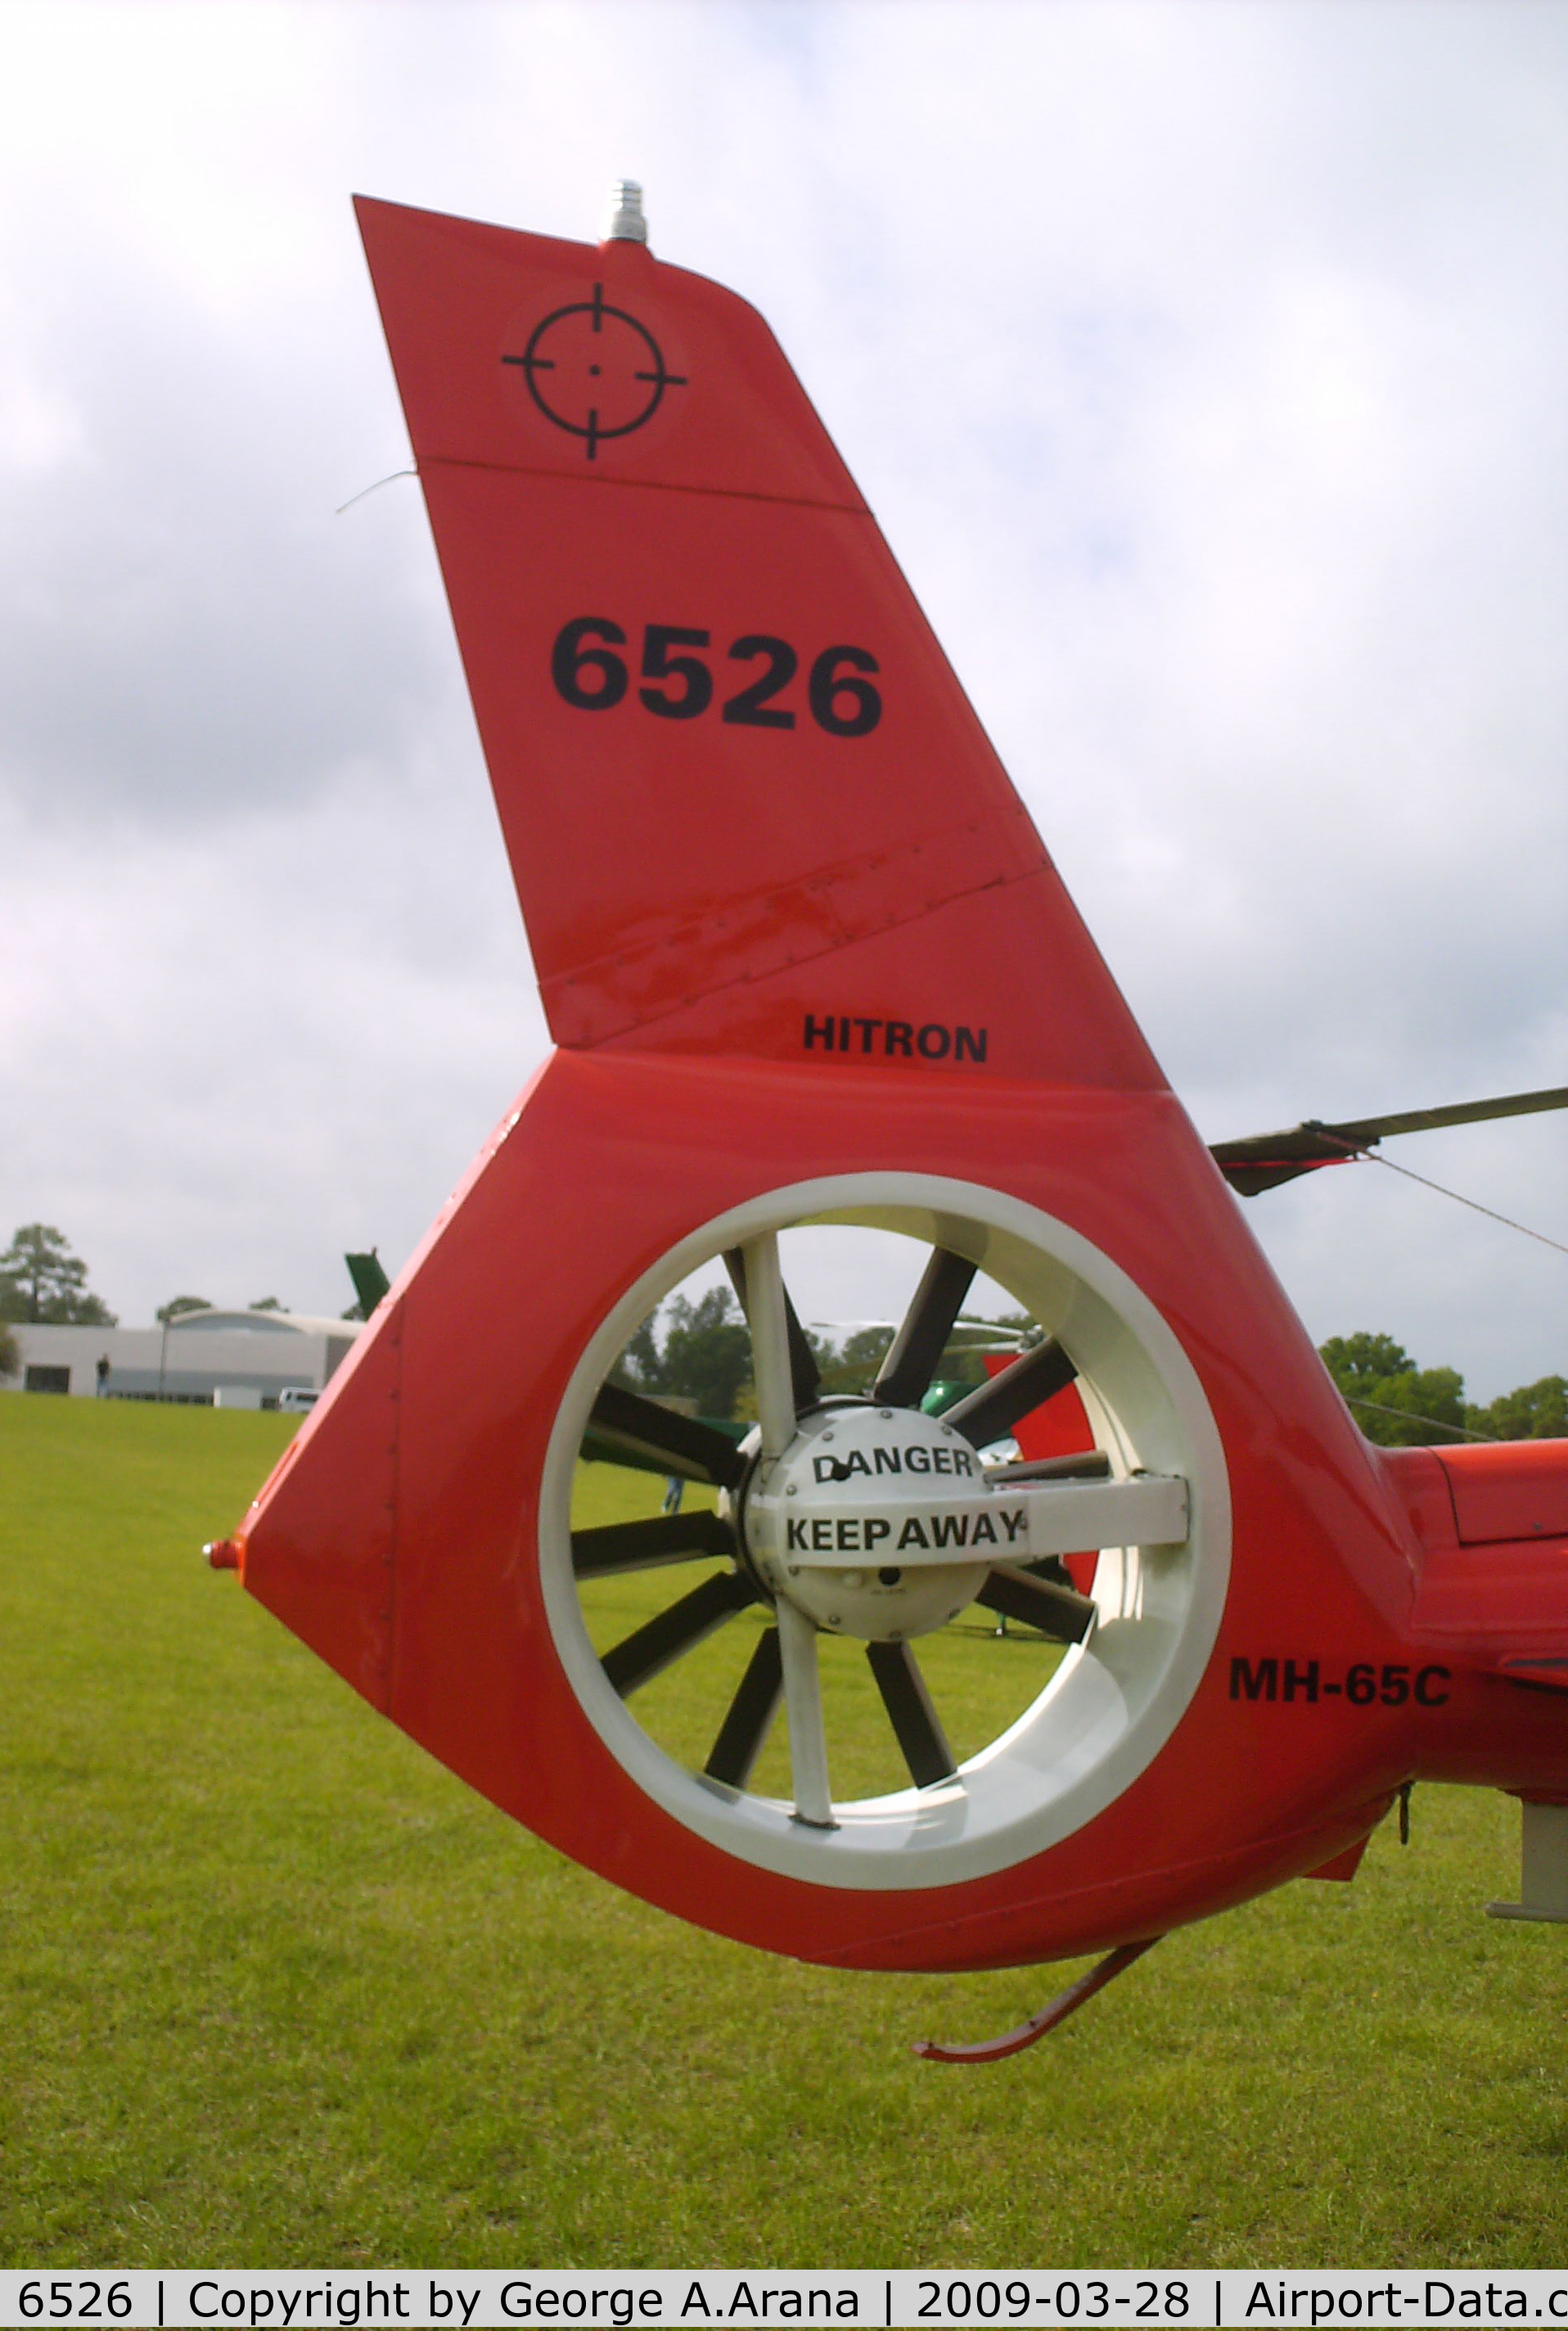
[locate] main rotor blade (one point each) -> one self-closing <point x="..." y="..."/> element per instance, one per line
<point x="751" y="1713"/>
<point x="1057" y="1610"/>
<point x="906" y="1373"/>
<point x="1261" y="1161"/>
<point x="680" y="1444"/>
<point x="994" y="1409"/>
<point x="650" y="1545"/>
<point x="1464" y="1112"/>
<point x="805" y="1377"/>
<point x="797" y="1642"/>
<point x="913" y="1719"/>
<point x="639" y="1658"/>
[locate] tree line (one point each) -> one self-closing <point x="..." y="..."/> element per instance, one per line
<point x="703" y="1354"/>
<point x="699" y="1352"/>
<point x="1403" y="1405"/>
<point x="43" y="1284"/>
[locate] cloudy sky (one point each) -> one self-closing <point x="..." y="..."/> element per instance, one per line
<point x="1206" y="363"/>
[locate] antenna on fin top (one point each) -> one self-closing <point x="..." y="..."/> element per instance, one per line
<point x="627" y="223"/>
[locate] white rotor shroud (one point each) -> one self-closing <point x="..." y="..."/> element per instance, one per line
<point x="1161" y="1521"/>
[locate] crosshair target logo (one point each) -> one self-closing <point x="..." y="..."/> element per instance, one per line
<point x="595" y="371"/>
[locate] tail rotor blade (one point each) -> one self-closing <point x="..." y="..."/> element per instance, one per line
<point x="1078" y="1465"/>
<point x="679" y="1444"/>
<point x="911" y="1363"/>
<point x="751" y="1713"/>
<point x="803" y="1705"/>
<point x="650" y="1545"/>
<point x="768" y="1315"/>
<point x="639" y="1658"/>
<point x="1059" y="1612"/>
<point x="994" y="1409"/>
<point x="913" y="1718"/>
<point x="805" y="1377"/>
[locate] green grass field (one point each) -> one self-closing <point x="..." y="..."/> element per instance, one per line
<point x="278" y="1990"/>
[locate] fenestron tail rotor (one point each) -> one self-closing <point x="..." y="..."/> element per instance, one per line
<point x="858" y="1514"/>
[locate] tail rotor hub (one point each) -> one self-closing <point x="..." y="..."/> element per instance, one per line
<point x="860" y="1521"/>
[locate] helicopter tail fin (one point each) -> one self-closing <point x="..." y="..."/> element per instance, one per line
<point x="747" y="807"/>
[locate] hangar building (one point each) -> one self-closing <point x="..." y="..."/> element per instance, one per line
<point x="239" y="1359"/>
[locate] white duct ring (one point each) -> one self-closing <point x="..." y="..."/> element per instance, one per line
<point x="1112" y="1704"/>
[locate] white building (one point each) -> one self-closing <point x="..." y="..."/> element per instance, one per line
<point x="241" y="1359"/>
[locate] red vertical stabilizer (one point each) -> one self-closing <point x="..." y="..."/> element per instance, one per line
<point x="747" y="804"/>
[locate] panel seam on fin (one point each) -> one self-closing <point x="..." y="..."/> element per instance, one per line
<point x="643" y="485"/>
<point x="562" y="983"/>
